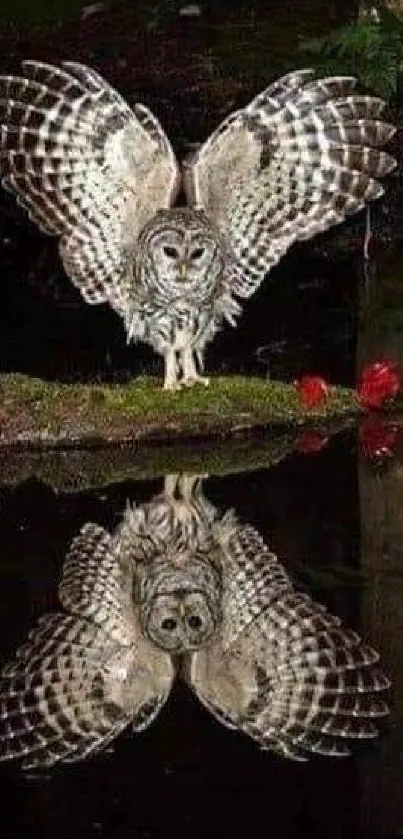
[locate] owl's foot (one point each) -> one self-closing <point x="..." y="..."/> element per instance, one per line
<point x="190" y="375"/>
<point x="168" y="385"/>
<point x="181" y="371"/>
<point x="186" y="383"/>
<point x="195" y="380"/>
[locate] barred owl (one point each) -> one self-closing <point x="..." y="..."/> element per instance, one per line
<point x="180" y="589"/>
<point x="301" y="157"/>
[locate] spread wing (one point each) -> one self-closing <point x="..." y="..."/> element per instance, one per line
<point x="82" y="677"/>
<point x="87" y="167"/>
<point x="298" y="159"/>
<point x="282" y="669"/>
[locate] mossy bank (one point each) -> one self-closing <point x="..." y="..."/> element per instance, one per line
<point x="35" y="413"/>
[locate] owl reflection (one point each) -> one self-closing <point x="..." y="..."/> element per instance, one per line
<point x="178" y="578"/>
<point x="103" y="177"/>
<point x="182" y="591"/>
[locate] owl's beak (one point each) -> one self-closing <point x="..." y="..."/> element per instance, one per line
<point x="183" y="270"/>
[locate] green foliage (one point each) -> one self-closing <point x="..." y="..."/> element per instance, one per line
<point x="370" y="49"/>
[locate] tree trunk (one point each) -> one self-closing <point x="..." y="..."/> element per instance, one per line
<point x="381" y="507"/>
<point x="381" y="512"/>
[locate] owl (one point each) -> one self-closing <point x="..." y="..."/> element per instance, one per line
<point x="180" y="590"/>
<point x="102" y="176"/>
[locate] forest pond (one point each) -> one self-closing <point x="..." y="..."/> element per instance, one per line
<point x="330" y="511"/>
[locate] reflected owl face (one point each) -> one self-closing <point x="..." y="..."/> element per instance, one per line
<point x="183" y="251"/>
<point x="180" y="621"/>
<point x="180" y="608"/>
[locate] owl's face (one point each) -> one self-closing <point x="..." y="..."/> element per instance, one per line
<point x="180" y="621"/>
<point x="183" y="251"/>
<point x="180" y="607"/>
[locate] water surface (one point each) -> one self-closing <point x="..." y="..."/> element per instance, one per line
<point x="330" y="518"/>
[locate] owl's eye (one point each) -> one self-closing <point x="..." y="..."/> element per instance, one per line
<point x="169" y="624"/>
<point x="195" y="622"/>
<point x="170" y="252"/>
<point x="197" y="253"/>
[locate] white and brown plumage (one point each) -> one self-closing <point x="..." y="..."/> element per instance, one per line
<point x="85" y="675"/>
<point x="102" y="176"/>
<point x="181" y="588"/>
<point x="281" y="668"/>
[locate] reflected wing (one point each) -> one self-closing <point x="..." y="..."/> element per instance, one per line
<point x="80" y="679"/>
<point x="298" y="159"/>
<point x="87" y="168"/>
<point x="283" y="670"/>
<point x="95" y="584"/>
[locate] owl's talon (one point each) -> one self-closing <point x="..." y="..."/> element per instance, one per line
<point x="172" y="386"/>
<point x="196" y="380"/>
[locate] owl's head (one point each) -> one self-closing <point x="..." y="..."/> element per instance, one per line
<point x="182" y="251"/>
<point x="180" y="602"/>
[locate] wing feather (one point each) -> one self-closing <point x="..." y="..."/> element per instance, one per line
<point x="87" y="167"/>
<point x="283" y="670"/>
<point x="82" y="678"/>
<point x="301" y="157"/>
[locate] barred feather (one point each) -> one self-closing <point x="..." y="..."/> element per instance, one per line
<point x="87" y="168"/>
<point x="95" y="585"/>
<point x="55" y="701"/>
<point x="301" y="157"/>
<point x="282" y="669"/>
<point x="80" y="679"/>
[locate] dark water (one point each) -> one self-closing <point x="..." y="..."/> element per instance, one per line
<point x="329" y="516"/>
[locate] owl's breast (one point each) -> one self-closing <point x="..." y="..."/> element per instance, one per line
<point x="188" y="322"/>
<point x="184" y="334"/>
<point x="179" y="324"/>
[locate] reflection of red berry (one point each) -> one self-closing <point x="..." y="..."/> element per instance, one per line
<point x="311" y="441"/>
<point x="378" y="439"/>
<point x="312" y="390"/>
<point x="378" y="383"/>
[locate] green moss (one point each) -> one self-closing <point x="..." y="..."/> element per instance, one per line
<point x="38" y="412"/>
